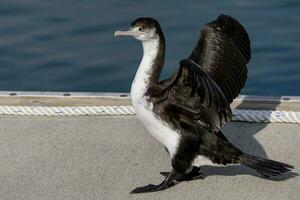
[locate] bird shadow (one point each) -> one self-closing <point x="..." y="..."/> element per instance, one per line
<point x="243" y="136"/>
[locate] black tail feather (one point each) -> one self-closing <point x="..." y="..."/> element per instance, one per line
<point x="265" y="167"/>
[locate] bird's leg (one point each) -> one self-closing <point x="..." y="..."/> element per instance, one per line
<point x="192" y="175"/>
<point x="168" y="182"/>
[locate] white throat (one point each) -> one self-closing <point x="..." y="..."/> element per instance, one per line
<point x="142" y="76"/>
<point x="143" y="108"/>
<point x="150" y="50"/>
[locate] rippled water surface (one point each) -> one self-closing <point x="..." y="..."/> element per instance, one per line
<point x="68" y="45"/>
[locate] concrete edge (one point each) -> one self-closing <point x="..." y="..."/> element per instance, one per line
<point x="62" y="94"/>
<point x="24" y="98"/>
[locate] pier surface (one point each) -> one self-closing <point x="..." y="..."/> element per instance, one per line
<point x="105" y="157"/>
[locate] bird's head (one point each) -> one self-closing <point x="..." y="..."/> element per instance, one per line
<point x="143" y="29"/>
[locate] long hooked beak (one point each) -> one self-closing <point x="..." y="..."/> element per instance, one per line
<point x="131" y="32"/>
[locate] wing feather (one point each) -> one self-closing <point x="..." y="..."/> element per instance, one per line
<point x="213" y="109"/>
<point x="223" y="50"/>
<point x="211" y="77"/>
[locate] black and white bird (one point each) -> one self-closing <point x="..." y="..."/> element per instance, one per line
<point x="186" y="112"/>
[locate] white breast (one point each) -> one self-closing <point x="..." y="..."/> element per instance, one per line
<point x="159" y="129"/>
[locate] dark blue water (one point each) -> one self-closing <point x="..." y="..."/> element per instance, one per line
<point x="68" y="45"/>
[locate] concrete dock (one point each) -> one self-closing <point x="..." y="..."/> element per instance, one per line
<point x="105" y="157"/>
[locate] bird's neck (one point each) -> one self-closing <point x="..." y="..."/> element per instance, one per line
<point x="152" y="61"/>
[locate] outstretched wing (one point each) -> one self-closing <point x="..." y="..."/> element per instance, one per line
<point x="196" y="99"/>
<point x="222" y="51"/>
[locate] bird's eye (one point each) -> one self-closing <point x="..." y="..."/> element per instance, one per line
<point x="141" y="29"/>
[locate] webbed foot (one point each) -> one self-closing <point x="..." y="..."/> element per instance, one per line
<point x="168" y="182"/>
